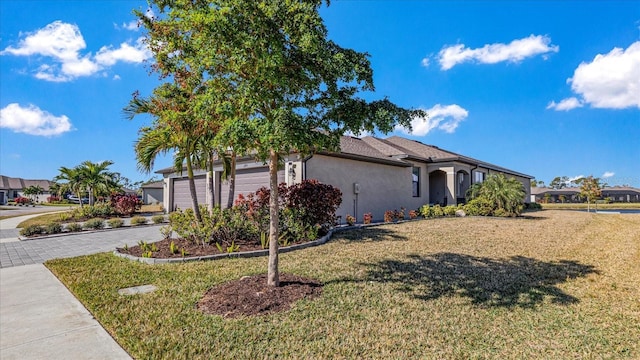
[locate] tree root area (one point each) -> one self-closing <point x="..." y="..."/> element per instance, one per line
<point x="251" y="296"/>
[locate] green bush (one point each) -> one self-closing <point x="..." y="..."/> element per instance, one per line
<point x="138" y="220"/>
<point x="426" y="212"/>
<point x="501" y="213"/>
<point x="437" y="211"/>
<point x="115" y="223"/>
<point x="74" y="227"/>
<point x="53" y="228"/>
<point x="479" y="207"/>
<point x="95" y="211"/>
<point x="157" y="219"/>
<point x="32" y="230"/>
<point x="532" y="206"/>
<point x="94" y="224"/>
<point x="450" y="210"/>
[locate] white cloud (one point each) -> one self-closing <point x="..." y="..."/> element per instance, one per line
<point x="116" y="77"/>
<point x="608" y="174"/>
<point x="126" y="53"/>
<point x="515" y="51"/>
<point x="61" y="43"/>
<point x="132" y="25"/>
<point x="33" y="121"/>
<point x="572" y="179"/>
<point x="565" y="105"/>
<point x="443" y="117"/>
<point x="425" y="62"/>
<point x="610" y="81"/>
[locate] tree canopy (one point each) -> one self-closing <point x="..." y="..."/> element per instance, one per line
<point x="267" y="75"/>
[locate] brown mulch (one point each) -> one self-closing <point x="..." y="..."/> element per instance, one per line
<point x="251" y="296"/>
<point x="191" y="248"/>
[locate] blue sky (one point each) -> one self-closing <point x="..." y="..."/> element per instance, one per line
<point x="547" y="88"/>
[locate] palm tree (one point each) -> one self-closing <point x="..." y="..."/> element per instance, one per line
<point x="166" y="135"/>
<point x="70" y="180"/>
<point x="96" y="178"/>
<point x="505" y="193"/>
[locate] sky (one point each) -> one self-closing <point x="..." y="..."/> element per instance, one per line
<point x="545" y="88"/>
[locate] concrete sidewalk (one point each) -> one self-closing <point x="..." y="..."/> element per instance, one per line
<point x="41" y="319"/>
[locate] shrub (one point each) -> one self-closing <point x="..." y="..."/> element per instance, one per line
<point x="388" y="216"/>
<point x="65" y="216"/>
<point x="53" y="199"/>
<point x="93" y="211"/>
<point x="500" y="192"/>
<point x="21" y="200"/>
<point x="501" y="213"/>
<point x="94" y="224"/>
<point x="350" y="220"/>
<point x="115" y="223"/>
<point x="479" y="207"/>
<point x="74" y="227"/>
<point x="437" y="211"/>
<point x="53" y="228"/>
<point x="366" y="218"/>
<point x="450" y="210"/>
<point x="185" y="225"/>
<point x="426" y="212"/>
<point x="413" y="214"/>
<point x="532" y="206"/>
<point x="138" y="220"/>
<point x="125" y="204"/>
<point x="32" y="230"/>
<point x="157" y="219"/>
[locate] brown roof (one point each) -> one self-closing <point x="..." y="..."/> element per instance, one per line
<point x="353" y="147"/>
<point x="11" y="183"/>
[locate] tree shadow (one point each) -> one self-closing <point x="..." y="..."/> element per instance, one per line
<point x="516" y="281"/>
<point x="372" y="233"/>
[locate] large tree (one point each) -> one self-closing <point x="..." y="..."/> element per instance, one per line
<point x="69" y="180"/>
<point x="502" y="192"/>
<point x="272" y="61"/>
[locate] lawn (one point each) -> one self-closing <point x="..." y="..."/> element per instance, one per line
<point x="557" y="285"/>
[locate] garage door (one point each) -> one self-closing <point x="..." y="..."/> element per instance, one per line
<point x="248" y="181"/>
<point x="182" y="195"/>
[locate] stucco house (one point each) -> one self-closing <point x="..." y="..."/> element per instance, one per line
<point x="11" y="188"/>
<point x="153" y="193"/>
<point x="374" y="175"/>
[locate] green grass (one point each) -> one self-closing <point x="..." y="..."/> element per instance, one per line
<point x="558" y="285"/>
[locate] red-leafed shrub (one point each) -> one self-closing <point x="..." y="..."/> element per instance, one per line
<point x="125" y="204"/>
<point x="53" y="199"/>
<point x="313" y="202"/>
<point x="22" y="200"/>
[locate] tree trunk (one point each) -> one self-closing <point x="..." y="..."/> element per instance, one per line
<point x="232" y="180"/>
<point x="210" y="189"/>
<point x="192" y="190"/>
<point x="272" y="274"/>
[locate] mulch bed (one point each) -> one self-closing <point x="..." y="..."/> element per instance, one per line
<point x="191" y="248"/>
<point x="251" y="296"/>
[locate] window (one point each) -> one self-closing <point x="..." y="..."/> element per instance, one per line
<point x="415" y="176"/>
<point x="479" y="177"/>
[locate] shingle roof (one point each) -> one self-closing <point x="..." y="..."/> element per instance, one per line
<point x="11" y="183"/>
<point x="154" y="185"/>
<point x="355" y="146"/>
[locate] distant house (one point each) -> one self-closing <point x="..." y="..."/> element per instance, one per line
<point x="153" y="193"/>
<point x="572" y="194"/>
<point x="11" y="188"/>
<point x="374" y="175"/>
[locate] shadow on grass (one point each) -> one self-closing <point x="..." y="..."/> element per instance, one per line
<point x="370" y="234"/>
<point x="515" y="281"/>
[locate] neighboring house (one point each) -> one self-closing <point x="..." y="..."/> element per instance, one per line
<point x="153" y="193"/>
<point x="572" y="194"/>
<point x="374" y="175"/>
<point x="11" y="188"/>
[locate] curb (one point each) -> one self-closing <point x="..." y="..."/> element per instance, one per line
<point x="84" y="232"/>
<point x="247" y="254"/>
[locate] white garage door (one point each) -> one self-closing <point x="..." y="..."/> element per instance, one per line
<point x="182" y="195"/>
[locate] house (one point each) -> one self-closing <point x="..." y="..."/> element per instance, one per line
<point x="153" y="193"/>
<point x="374" y="175"/>
<point x="11" y="188"/>
<point x="572" y="194"/>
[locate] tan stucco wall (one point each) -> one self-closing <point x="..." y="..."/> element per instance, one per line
<point x="382" y="187"/>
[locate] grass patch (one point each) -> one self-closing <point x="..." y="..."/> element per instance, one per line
<point x="41" y="220"/>
<point x="555" y="285"/>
